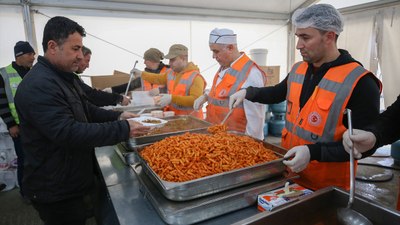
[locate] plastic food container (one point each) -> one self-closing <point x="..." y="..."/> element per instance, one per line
<point x="169" y="113"/>
<point x="149" y="121"/>
<point x="157" y="113"/>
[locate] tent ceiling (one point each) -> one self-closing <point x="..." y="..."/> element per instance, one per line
<point x="256" y="9"/>
<point x="249" y="9"/>
<point x="265" y="6"/>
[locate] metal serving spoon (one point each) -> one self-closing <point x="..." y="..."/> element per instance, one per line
<point x="348" y="216"/>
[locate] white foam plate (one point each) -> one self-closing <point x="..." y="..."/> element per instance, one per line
<point x="142" y="120"/>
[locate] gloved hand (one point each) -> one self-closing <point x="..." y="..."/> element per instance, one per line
<point x="136" y="73"/>
<point x="164" y="100"/>
<point x="125" y="100"/>
<point x="108" y="90"/>
<point x="362" y="141"/>
<point x="154" y="91"/>
<point x="237" y="98"/>
<point x="198" y="103"/>
<point x="300" y="160"/>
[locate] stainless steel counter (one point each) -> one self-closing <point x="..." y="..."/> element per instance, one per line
<point x="129" y="204"/>
<point x="130" y="207"/>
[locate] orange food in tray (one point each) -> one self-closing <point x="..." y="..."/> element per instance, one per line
<point x="217" y="128"/>
<point x="191" y="156"/>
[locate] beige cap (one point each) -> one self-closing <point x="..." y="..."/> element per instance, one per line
<point x="153" y="54"/>
<point x="176" y="50"/>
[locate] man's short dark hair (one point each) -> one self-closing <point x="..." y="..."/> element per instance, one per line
<point x="86" y="51"/>
<point x="58" y="29"/>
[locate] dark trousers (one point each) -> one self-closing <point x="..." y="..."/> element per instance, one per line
<point x="20" y="162"/>
<point x="66" y="212"/>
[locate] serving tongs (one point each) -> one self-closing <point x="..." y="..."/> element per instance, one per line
<point x="227" y="116"/>
<point x="131" y="75"/>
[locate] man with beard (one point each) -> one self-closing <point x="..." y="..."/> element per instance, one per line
<point x="317" y="91"/>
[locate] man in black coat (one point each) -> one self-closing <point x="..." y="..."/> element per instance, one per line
<point x="98" y="97"/>
<point x="60" y="128"/>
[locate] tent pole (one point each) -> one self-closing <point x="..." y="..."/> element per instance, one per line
<point x="28" y="23"/>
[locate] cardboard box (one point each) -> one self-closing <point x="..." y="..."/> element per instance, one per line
<point x="101" y="82"/>
<point x="282" y="196"/>
<point x="272" y="73"/>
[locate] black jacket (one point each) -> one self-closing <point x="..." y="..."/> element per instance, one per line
<point x="387" y="127"/>
<point x="59" y="130"/>
<point x="98" y="97"/>
<point x="364" y="104"/>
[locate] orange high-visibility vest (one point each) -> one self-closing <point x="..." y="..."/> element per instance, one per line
<point x="320" y="120"/>
<point x="218" y="98"/>
<point x="183" y="89"/>
<point x="147" y="86"/>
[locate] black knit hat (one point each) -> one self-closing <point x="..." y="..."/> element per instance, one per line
<point x="22" y="47"/>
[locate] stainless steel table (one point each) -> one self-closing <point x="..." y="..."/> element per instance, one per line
<point x="130" y="207"/>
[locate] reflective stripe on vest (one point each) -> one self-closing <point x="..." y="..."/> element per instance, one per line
<point x="218" y="98"/>
<point x="11" y="81"/>
<point x="320" y="119"/>
<point x="147" y="86"/>
<point x="182" y="89"/>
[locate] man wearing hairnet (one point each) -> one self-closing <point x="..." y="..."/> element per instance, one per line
<point x="237" y="71"/>
<point x="317" y="91"/>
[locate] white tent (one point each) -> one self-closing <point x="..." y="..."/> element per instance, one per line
<point x="120" y="31"/>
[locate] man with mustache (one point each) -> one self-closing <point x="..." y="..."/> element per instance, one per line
<point x="317" y="91"/>
<point x="60" y="128"/>
<point x="237" y="71"/>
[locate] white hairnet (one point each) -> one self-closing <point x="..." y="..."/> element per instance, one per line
<point x="320" y="16"/>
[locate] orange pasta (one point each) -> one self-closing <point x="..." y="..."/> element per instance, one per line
<point x="217" y="128"/>
<point x="191" y="156"/>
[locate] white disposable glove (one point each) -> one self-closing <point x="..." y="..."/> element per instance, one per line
<point x="136" y="73"/>
<point x="301" y="158"/>
<point x="164" y="100"/>
<point x="198" y="103"/>
<point x="237" y="98"/>
<point x="108" y="90"/>
<point x="154" y="91"/>
<point x="362" y="141"/>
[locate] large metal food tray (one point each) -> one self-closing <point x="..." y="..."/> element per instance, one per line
<point x="196" y="125"/>
<point x="134" y="109"/>
<point x="182" y="191"/>
<point x="197" y="210"/>
<point x="321" y="207"/>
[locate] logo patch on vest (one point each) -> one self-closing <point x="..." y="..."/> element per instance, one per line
<point x="314" y="119"/>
